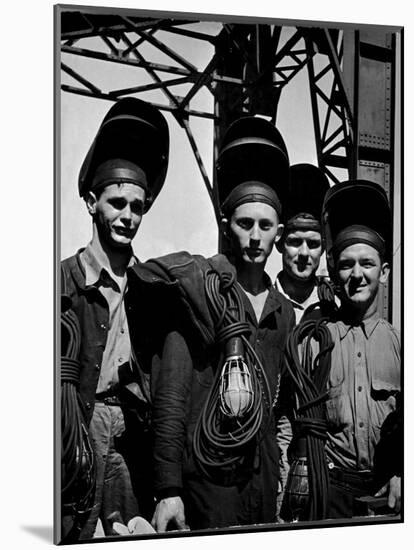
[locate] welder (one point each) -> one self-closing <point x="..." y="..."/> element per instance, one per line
<point x="364" y="381"/>
<point x="311" y="295"/>
<point x="121" y="176"/>
<point x="216" y="370"/>
<point x="346" y="372"/>
<point x="301" y="244"/>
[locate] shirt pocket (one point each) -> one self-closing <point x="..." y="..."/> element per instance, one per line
<point x="383" y="385"/>
<point x="384" y="393"/>
<point x="338" y="409"/>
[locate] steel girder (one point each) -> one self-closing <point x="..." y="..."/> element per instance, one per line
<point x="354" y="124"/>
<point x="351" y="81"/>
<point x="247" y="70"/>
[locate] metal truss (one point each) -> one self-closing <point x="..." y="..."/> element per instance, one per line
<point x="290" y="58"/>
<point x="267" y="65"/>
<point x="332" y="115"/>
<point x="122" y="38"/>
<point x="248" y="68"/>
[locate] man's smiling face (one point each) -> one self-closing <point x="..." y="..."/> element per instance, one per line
<point x="301" y="254"/>
<point x="360" y="271"/>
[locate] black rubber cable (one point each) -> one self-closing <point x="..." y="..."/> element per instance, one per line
<point x="310" y="377"/>
<point x="219" y="441"/>
<point x="77" y="459"/>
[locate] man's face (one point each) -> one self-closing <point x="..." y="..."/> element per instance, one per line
<point x="117" y="213"/>
<point x="360" y="271"/>
<point x="253" y="229"/>
<point x="301" y="254"/>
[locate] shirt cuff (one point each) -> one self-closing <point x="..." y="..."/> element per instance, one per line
<point x="169" y="492"/>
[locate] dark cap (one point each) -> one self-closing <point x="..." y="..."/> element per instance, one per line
<point x="253" y="152"/>
<point x="117" y="171"/>
<point x="251" y="191"/>
<point x="357" y="234"/>
<point x="132" y="146"/>
<point x="308" y="186"/>
<point x="356" y="211"/>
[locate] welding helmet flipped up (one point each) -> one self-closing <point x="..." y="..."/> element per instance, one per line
<point x="359" y="206"/>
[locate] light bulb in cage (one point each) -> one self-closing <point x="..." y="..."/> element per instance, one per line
<point x="236" y="393"/>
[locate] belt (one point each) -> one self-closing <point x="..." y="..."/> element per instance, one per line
<point x="118" y="397"/>
<point x="356" y="478"/>
<point x="110" y="397"/>
<point x="110" y="401"/>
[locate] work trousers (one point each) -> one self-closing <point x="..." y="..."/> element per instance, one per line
<point x="114" y="496"/>
<point x="345" y="487"/>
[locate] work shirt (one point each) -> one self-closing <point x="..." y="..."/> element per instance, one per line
<point x="363" y="384"/>
<point x="298" y="307"/>
<point x="117" y="352"/>
<point x="169" y="294"/>
<point x="182" y="377"/>
<point x="186" y="372"/>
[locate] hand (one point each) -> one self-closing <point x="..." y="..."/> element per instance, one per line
<point x="393" y="488"/>
<point x="169" y="509"/>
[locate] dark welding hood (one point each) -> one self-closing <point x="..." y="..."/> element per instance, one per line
<point x="133" y="131"/>
<point x="359" y="203"/>
<point x="252" y="150"/>
<point x="308" y="186"/>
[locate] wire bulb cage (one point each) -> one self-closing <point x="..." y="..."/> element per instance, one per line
<point x="236" y="390"/>
<point x="296" y="500"/>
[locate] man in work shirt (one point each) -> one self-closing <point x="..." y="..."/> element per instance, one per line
<point x="198" y="482"/>
<point x="363" y="410"/>
<point x="301" y="244"/>
<point x="120" y="178"/>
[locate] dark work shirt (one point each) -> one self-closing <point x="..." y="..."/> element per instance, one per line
<point x="183" y="374"/>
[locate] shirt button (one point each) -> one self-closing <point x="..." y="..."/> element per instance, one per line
<point x="97" y="367"/>
<point x="120" y="360"/>
<point x="88" y="406"/>
<point x="359" y="388"/>
<point x="103" y="326"/>
<point x="122" y="331"/>
<point x="361" y="424"/>
<point x="359" y="354"/>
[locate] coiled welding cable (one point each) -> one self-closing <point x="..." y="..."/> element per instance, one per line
<point x="310" y="378"/>
<point x="220" y="441"/>
<point x="326" y="300"/>
<point x="78" y="461"/>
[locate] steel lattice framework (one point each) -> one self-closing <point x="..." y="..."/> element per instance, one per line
<point x="247" y="71"/>
<point x="351" y="77"/>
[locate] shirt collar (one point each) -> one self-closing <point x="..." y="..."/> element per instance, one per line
<point x="97" y="267"/>
<point x="310" y="300"/>
<point x="272" y="303"/>
<point x="367" y="327"/>
<point x="280" y="288"/>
